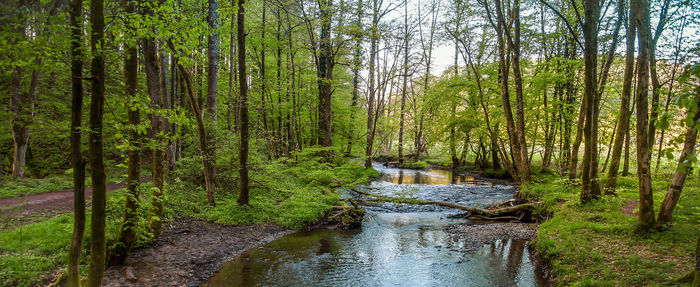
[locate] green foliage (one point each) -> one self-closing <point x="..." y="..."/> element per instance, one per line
<point x="415" y="164"/>
<point x="288" y="196"/>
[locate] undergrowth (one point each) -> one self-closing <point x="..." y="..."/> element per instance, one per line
<point x="290" y="192"/>
<point x="597" y="244"/>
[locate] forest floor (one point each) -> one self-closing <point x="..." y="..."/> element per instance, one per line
<point x="196" y="237"/>
<point x="599" y="244"/>
<point x="188" y="252"/>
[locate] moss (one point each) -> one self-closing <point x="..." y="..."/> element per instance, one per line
<point x="349" y="218"/>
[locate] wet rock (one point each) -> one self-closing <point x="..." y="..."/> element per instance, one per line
<point x="349" y="218"/>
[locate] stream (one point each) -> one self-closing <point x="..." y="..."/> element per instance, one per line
<point x="398" y="244"/>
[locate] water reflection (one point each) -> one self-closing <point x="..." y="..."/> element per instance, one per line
<point x="428" y="177"/>
<point x="396" y="246"/>
<point x="385" y="253"/>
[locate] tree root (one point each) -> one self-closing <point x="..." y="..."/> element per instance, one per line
<point x="507" y="210"/>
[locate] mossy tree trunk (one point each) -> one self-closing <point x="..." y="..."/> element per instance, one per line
<point x="243" y="88"/>
<point x="99" y="189"/>
<point x="77" y="162"/>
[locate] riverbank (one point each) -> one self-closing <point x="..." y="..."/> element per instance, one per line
<point x="188" y="253"/>
<point x="597" y="244"/>
<point x="284" y="197"/>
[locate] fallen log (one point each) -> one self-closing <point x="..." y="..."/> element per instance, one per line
<point x="520" y="212"/>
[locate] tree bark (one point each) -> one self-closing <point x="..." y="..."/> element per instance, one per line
<point x="682" y="169"/>
<point x="499" y="26"/>
<point x="77" y="162"/>
<point x="263" y="64"/>
<point x="212" y="87"/>
<point x="22" y="107"/>
<point x="243" y="88"/>
<point x="405" y="83"/>
<point x="656" y="85"/>
<point x="589" y="179"/>
<point x="435" y="7"/>
<point x="99" y="189"/>
<point x="325" y="73"/>
<point x="624" y="118"/>
<point x="640" y="12"/>
<point x="523" y="163"/>
<point x="370" y="102"/>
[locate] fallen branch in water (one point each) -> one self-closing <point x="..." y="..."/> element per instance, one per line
<point x="518" y="212"/>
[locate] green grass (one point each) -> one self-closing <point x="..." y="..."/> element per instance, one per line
<point x="415" y="164"/>
<point x="22" y="187"/>
<point x="28" y="253"/>
<point x="596" y="244"/>
<point x="290" y="195"/>
<point x="10" y="187"/>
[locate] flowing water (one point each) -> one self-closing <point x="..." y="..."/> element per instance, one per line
<point x="398" y="244"/>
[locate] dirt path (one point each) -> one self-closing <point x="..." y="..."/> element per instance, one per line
<point x="189" y="252"/>
<point x="48" y="203"/>
<point x="630" y="207"/>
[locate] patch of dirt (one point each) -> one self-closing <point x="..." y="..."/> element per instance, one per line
<point x="630" y="207"/>
<point x="188" y="252"/>
<point x="56" y="202"/>
<point x="490" y="232"/>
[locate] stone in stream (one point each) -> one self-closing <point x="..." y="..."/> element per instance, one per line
<point x="348" y="218"/>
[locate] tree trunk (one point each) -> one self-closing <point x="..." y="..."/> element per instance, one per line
<point x="682" y="169"/>
<point x="656" y="85"/>
<point x="405" y="83"/>
<point x="589" y="178"/>
<point x="370" y="102"/>
<point x="499" y="26"/>
<point x="156" y="94"/>
<point x="232" y="108"/>
<point x="325" y="67"/>
<point x="624" y="118"/>
<point x="243" y="88"/>
<point x="127" y="236"/>
<point x="174" y="88"/>
<point x="524" y="163"/>
<point x="22" y="107"/>
<point x="626" y="163"/>
<point x="435" y="7"/>
<point x="99" y="189"/>
<point x="212" y="86"/>
<point x="356" y="62"/>
<point x="646" y="199"/>
<point x="76" y="246"/>
<point x="263" y="74"/>
<point x="571" y="154"/>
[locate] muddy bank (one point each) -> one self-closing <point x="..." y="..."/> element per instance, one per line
<point x="188" y="252"/>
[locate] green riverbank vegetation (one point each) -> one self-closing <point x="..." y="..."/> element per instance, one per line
<point x="246" y="112"/>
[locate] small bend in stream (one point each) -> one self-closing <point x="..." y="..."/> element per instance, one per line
<point x="398" y="244"/>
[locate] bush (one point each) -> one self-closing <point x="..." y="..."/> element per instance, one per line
<point x="415" y="164"/>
